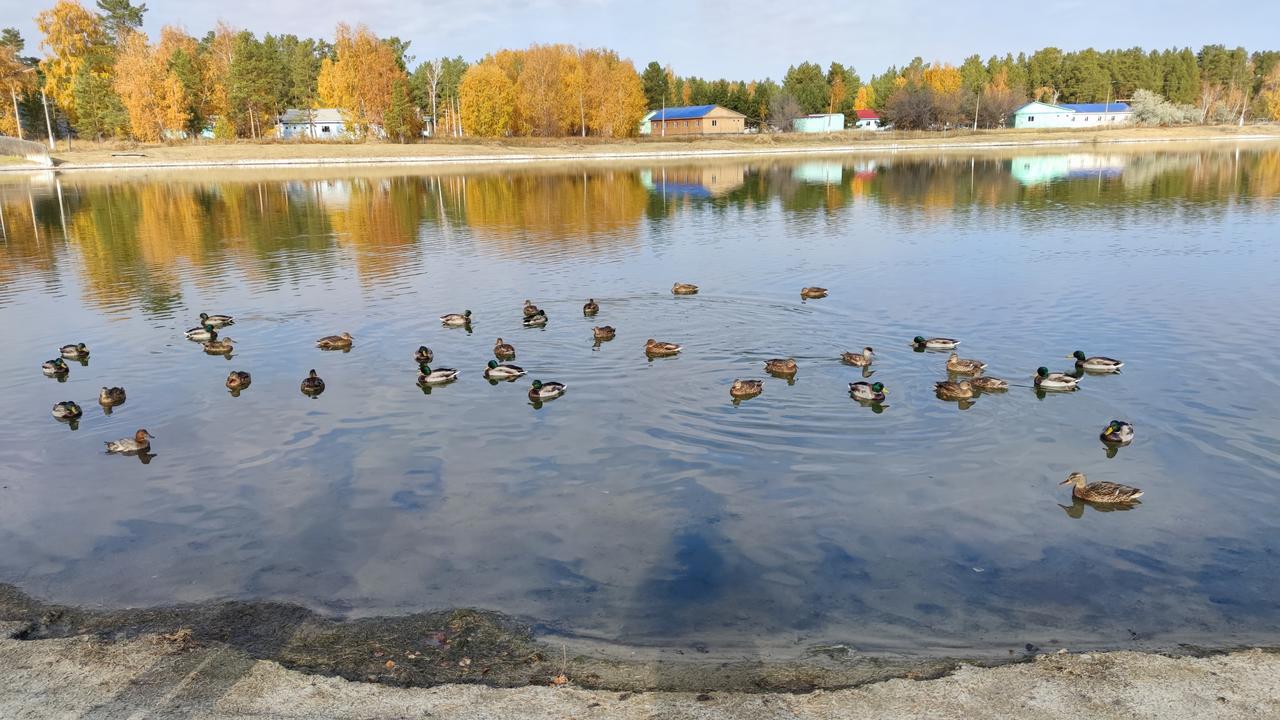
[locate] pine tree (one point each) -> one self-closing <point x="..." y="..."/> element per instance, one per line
<point x="655" y="85"/>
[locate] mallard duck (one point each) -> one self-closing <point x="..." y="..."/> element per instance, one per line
<point x="1097" y="363"/>
<point x="868" y="392"/>
<point x="604" y="332"/>
<point x="55" y="367"/>
<point x="1100" y="492"/>
<point x="78" y="351"/>
<point x="813" y="293"/>
<point x="111" y="396"/>
<point x="502" y="372"/>
<point x="1045" y="380"/>
<point x="503" y="351"/>
<point x="660" y="349"/>
<point x="591" y="308"/>
<point x="427" y="376"/>
<point x="67" y="410"/>
<point x="456" y="320"/>
<point x="219" y="347"/>
<point x="785" y="367"/>
<point x="862" y="359"/>
<point x="423" y="355"/>
<point x="540" y="391"/>
<point x="949" y="390"/>
<point x="684" y="289"/>
<point x="312" y="384"/>
<point x="131" y="446"/>
<point x="238" y="380"/>
<point x="989" y="384"/>
<point x="530" y="309"/>
<point x="204" y="333"/>
<point x="537" y="319"/>
<point x="746" y="388"/>
<point x="963" y="366"/>
<point x="937" y="343"/>
<point x="216" y="320"/>
<point x="1117" y="432"/>
<point x="335" y="342"/>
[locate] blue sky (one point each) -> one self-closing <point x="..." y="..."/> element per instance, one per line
<point x="743" y="39"/>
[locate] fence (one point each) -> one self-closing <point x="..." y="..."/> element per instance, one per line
<point x="32" y="151"/>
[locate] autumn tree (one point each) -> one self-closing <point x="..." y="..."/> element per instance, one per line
<point x="16" y="79"/>
<point x="1270" y="94"/>
<point x="120" y="18"/>
<point x="487" y="100"/>
<point x="614" y="94"/>
<point x="75" y="41"/>
<point x="865" y="99"/>
<point x="550" y="87"/>
<point x="359" y="79"/>
<point x="998" y="101"/>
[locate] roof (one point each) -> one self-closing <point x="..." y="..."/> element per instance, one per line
<point x="867" y="115"/>
<point x="294" y="116"/>
<point x="687" y="113"/>
<point x="1098" y="107"/>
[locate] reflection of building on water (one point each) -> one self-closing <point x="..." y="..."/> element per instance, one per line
<point x="696" y="181"/>
<point x="819" y="172"/>
<point x="1037" y="169"/>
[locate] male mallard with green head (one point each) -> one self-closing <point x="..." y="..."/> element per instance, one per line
<point x="238" y="380"/>
<point x="1045" y="380"/>
<point x="742" y="389"/>
<point x="937" y="343"/>
<point x="813" y="293"/>
<point x="111" y="396"/>
<point x="77" y="351"/>
<point x="862" y="359"/>
<point x="216" y="320"/>
<point x="440" y="376"/>
<point x="951" y="390"/>
<point x="67" y="410"/>
<point x="56" y="367"/>
<point x="456" y="319"/>
<point x="1097" y="363"/>
<point x="550" y="390"/>
<point x="684" y="289"/>
<point x="1100" y="492"/>
<point x="1117" y="432"/>
<point x="590" y="308"/>
<point x="654" y="348"/>
<point x="784" y="367"/>
<point x="312" y="384"/>
<point x="868" y="392"/>
<point x="503" y="351"/>
<point x="963" y="366"/>
<point x="504" y="371"/>
<point x="131" y="446"/>
<point x="335" y="342"/>
<point x="204" y="333"/>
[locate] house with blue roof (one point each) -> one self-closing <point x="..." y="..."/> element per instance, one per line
<point x="1038" y="114"/>
<point x="697" y="120"/>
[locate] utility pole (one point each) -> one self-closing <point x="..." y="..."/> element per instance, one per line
<point x="976" y="104"/>
<point x="664" y="114"/>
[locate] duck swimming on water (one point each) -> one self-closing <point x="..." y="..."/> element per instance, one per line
<point x="1100" y="492"/>
<point x="131" y="446"/>
<point x="1097" y="364"/>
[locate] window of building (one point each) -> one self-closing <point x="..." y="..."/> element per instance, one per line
<point x="713" y="123"/>
<point x="324" y="128"/>
<point x="1031" y="118"/>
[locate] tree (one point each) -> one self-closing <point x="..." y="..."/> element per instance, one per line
<point x="1181" y="76"/>
<point x="119" y="18"/>
<point x="910" y="107"/>
<point x="252" y="84"/>
<point x="1044" y="73"/>
<point x="100" y="113"/>
<point x="783" y="109"/>
<point x="1270" y="94"/>
<point x="844" y="84"/>
<point x="550" y="85"/>
<point x="10" y="37"/>
<point x="1151" y="109"/>
<point x="973" y="74"/>
<point x="806" y="83"/>
<point x="360" y="78"/>
<point x="615" y="98"/>
<point x="16" y="79"/>
<point x="487" y="100"/>
<point x="401" y="119"/>
<point x="998" y="101"/>
<point x="1084" y="78"/>
<point x="865" y="99"/>
<point x="74" y="39"/>
<point x="426" y="88"/>
<point x="138" y="80"/>
<point x="655" y="85"/>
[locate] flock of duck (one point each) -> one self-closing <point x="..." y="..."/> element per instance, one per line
<point x="966" y="378"/>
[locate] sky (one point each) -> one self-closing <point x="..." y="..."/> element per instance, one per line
<point x="746" y="39"/>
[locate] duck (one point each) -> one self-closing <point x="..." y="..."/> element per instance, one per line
<point x="1097" y="363"/>
<point x="989" y="384"/>
<point x="813" y="293"/>
<point x="862" y="359"/>
<point x="111" y="396"/>
<point x="950" y="390"/>
<point x="936" y="343"/>
<point x="56" y="367"/>
<point x="502" y="372"/>
<point x="238" y="380"/>
<point x="540" y="391"/>
<point x="537" y="319"/>
<point x="1045" y="380"/>
<point x="76" y="351"/>
<point x="428" y="376"/>
<point x="604" y="332"/>
<point x="312" y="384"/>
<point x="1100" y="492"/>
<point x="530" y="309"/>
<point x="218" y="347"/>
<point x="131" y="446"/>
<point x="423" y="355"/>
<point x="684" y="289"/>
<point x="204" y="333"/>
<point x="964" y="366"/>
<point x="1117" y="432"/>
<point x="590" y="308"/>
<point x="868" y="392"/>
<point x="660" y="349"/>
<point x="503" y="351"/>
<point x="456" y="320"/>
<point x="746" y="388"/>
<point x="67" y="410"/>
<point x="785" y="367"/>
<point x="335" y="342"/>
<point x="216" y="320"/>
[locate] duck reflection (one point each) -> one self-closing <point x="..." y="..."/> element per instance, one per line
<point x="1076" y="509"/>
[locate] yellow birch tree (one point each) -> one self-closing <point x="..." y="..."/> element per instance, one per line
<point x="488" y="99"/>
<point x="71" y="35"/>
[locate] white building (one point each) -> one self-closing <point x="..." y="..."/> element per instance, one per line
<point x="320" y="124"/>
<point x="1081" y="115"/>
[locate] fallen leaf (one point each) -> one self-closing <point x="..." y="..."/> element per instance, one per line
<point x="391" y="664"/>
<point x="559" y="680"/>
<point x="464" y="662"/>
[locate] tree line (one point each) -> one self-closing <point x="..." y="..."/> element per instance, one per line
<point x="102" y="77"/>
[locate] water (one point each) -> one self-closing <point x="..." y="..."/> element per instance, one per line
<point x="644" y="507"/>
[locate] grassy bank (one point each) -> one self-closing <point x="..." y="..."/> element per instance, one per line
<point x="87" y="155"/>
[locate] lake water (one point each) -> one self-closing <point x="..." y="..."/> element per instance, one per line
<point x="644" y="507"/>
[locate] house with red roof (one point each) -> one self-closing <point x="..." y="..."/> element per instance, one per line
<point x="867" y="120"/>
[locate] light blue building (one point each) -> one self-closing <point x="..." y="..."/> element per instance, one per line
<point x="821" y="123"/>
<point x="1038" y="114"/>
<point x="646" y="126"/>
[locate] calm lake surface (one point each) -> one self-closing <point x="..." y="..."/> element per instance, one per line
<point x="644" y="507"/>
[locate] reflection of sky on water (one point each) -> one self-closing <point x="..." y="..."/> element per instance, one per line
<point x="643" y="505"/>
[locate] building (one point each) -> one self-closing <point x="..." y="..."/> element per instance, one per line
<point x="819" y="123"/>
<point x="698" y="181"/>
<point x="646" y="123"/>
<point x="1083" y="115"/>
<point x="320" y="124"/>
<point x="867" y="120"/>
<point x="697" y="120"/>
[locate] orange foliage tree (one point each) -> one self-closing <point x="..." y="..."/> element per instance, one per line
<point x="361" y="78"/>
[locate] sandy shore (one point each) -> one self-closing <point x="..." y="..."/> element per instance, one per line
<point x="90" y="156"/>
<point x="155" y="676"/>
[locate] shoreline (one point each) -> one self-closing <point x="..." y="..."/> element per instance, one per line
<point x="446" y="154"/>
